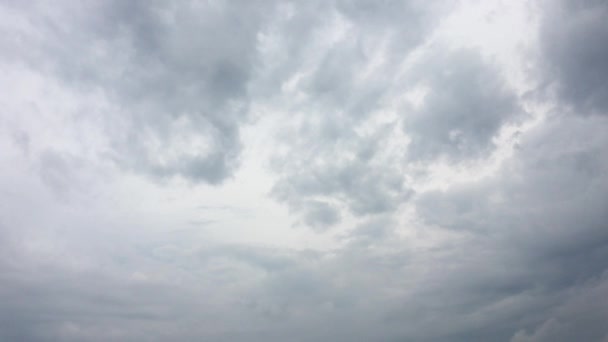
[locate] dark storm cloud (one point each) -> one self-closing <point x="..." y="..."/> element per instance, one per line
<point x="575" y="54"/>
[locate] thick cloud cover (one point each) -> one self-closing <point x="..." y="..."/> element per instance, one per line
<point x="573" y="36"/>
<point x="176" y="76"/>
<point x="304" y="171"/>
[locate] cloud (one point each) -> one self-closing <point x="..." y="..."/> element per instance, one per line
<point x="464" y="105"/>
<point x="359" y="162"/>
<point x="580" y="317"/>
<point x="157" y="156"/>
<point x="574" y="55"/>
<point x="320" y="214"/>
<point x="176" y="76"/>
<point x="333" y="143"/>
<point x="543" y="210"/>
<point x="358" y="184"/>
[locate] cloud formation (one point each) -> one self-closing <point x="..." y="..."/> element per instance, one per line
<point x="572" y="36"/>
<point x="303" y="171"/>
<point x="176" y="77"/>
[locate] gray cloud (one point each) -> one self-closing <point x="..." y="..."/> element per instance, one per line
<point x="581" y="317"/>
<point x="329" y="159"/>
<point x="320" y="214"/>
<point x="466" y="104"/>
<point x="358" y="184"/>
<point x="544" y="210"/>
<point x="176" y="76"/>
<point x="94" y="252"/>
<point x="574" y="53"/>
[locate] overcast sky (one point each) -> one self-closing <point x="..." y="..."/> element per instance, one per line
<point x="324" y="170"/>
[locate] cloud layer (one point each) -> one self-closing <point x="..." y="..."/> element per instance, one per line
<point x="304" y="171"/>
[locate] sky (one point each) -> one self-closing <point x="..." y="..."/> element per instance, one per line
<point x="323" y="170"/>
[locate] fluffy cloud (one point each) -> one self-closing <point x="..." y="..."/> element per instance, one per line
<point x="176" y="77"/>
